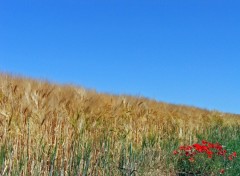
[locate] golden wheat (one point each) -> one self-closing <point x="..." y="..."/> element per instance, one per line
<point x="36" y="113"/>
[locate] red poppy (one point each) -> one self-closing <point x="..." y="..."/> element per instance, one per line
<point x="182" y="148"/>
<point x="175" y="152"/>
<point x="218" y="146"/>
<point x="210" y="145"/>
<point x="191" y="160"/>
<point x="222" y="152"/>
<point x="222" y="171"/>
<point x="234" y="154"/>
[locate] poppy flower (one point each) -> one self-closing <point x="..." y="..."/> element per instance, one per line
<point x="175" y="152"/>
<point x="222" y="171"/>
<point x="191" y="160"/>
<point x="234" y="154"/>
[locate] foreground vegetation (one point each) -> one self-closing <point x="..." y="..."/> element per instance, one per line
<point x="48" y="129"/>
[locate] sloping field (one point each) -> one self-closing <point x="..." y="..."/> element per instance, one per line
<point x="48" y="129"/>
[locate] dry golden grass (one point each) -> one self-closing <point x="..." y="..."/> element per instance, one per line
<point x="34" y="112"/>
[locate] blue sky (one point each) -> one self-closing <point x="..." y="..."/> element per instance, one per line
<point x="177" y="51"/>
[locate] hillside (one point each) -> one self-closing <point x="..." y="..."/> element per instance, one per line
<point x="41" y="121"/>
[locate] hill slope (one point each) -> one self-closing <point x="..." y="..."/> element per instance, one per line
<point x="34" y="114"/>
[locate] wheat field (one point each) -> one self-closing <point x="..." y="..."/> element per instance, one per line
<point x="50" y="129"/>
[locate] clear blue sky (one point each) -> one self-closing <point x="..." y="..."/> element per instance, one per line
<point x="177" y="51"/>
